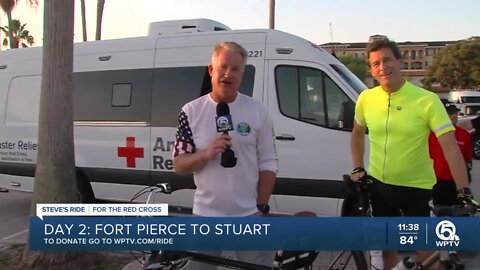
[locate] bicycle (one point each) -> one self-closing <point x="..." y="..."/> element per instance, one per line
<point x="283" y="260"/>
<point x="448" y="260"/>
<point x="357" y="203"/>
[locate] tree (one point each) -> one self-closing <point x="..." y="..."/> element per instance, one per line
<point x="7" y="7"/>
<point x="100" y="5"/>
<point x="456" y="66"/>
<point x="357" y="65"/>
<point x="21" y="36"/>
<point x="55" y="180"/>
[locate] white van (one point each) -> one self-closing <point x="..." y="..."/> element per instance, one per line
<point x="128" y="93"/>
<point x="468" y="101"/>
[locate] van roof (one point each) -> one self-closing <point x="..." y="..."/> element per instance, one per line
<point x="185" y="26"/>
<point x="279" y="45"/>
<point x="466" y="92"/>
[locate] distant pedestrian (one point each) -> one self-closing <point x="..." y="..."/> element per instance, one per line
<point x="445" y="190"/>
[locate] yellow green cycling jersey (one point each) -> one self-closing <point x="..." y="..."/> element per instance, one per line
<point x="398" y="127"/>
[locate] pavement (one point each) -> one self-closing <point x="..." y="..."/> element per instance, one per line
<point x="135" y="265"/>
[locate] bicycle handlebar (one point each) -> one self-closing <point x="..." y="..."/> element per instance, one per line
<point x="362" y="186"/>
<point x="357" y="198"/>
<point x="164" y="188"/>
<point x="455" y="210"/>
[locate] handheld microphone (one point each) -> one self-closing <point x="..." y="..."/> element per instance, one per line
<point x="225" y="124"/>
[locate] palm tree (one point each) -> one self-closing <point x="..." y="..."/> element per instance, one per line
<point x="7" y="7"/>
<point x="55" y="180"/>
<point x="20" y="36"/>
<point x="100" y="5"/>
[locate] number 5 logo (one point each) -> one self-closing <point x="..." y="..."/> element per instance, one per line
<point x="446" y="230"/>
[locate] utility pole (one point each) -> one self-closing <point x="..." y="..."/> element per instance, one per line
<point x="331" y="33"/>
<point x="84" y="19"/>
<point x="271" y="15"/>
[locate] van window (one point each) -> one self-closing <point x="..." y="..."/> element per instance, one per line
<point x="467" y="99"/>
<point x="471" y="110"/>
<point x="309" y="95"/>
<point x="121" y="94"/>
<point x="349" y="77"/>
<point x="173" y="87"/>
<point x="23" y="101"/>
<point x="113" y="95"/>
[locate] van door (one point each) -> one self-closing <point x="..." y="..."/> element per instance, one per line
<point x="313" y="147"/>
<point x="112" y="95"/>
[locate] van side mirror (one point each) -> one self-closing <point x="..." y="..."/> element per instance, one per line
<point x="345" y="119"/>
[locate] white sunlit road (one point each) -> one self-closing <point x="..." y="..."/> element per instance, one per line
<point x="14" y="215"/>
<point x="15" y="211"/>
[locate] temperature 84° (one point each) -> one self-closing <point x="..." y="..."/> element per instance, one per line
<point x="408" y="239"/>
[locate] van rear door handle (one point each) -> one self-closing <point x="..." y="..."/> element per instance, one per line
<point x="285" y="137"/>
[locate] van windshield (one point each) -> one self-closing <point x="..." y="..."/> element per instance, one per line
<point x="467" y="99"/>
<point x="349" y="77"/>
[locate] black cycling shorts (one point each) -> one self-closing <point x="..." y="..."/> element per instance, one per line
<point x="444" y="193"/>
<point x="391" y="200"/>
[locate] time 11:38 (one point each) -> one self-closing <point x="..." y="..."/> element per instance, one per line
<point x="408" y="227"/>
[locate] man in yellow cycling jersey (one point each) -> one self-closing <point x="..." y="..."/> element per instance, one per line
<point x="399" y="116"/>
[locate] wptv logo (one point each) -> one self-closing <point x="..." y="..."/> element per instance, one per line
<point x="447" y="233"/>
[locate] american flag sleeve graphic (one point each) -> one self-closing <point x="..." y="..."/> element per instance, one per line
<point x="183" y="139"/>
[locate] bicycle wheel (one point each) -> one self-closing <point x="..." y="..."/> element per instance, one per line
<point x="337" y="260"/>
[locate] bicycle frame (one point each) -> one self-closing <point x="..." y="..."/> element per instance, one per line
<point x="363" y="206"/>
<point x="442" y="211"/>
<point x="286" y="260"/>
<point x="224" y="262"/>
<point x="206" y="258"/>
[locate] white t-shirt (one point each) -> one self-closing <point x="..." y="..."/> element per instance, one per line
<point x="228" y="191"/>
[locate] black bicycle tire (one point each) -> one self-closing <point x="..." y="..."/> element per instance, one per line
<point x="360" y="260"/>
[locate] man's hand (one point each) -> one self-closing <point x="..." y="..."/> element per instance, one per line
<point x="465" y="198"/>
<point x="357" y="173"/>
<point x="219" y="144"/>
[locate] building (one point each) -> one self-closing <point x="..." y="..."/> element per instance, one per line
<point x="417" y="56"/>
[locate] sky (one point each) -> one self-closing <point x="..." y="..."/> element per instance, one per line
<point x="320" y="21"/>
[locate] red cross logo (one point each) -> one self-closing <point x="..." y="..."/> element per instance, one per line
<point x="130" y="152"/>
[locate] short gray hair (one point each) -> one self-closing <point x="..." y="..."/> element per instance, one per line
<point x="230" y="46"/>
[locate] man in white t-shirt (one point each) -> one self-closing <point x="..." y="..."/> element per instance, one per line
<point x="242" y="190"/>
